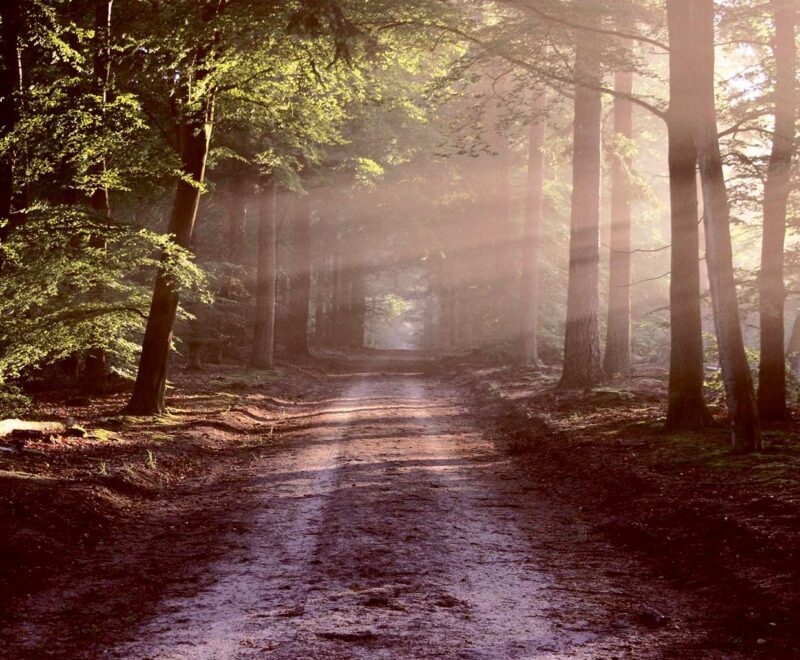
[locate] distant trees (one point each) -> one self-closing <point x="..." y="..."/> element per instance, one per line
<point x="429" y="161"/>
<point x="693" y="143"/>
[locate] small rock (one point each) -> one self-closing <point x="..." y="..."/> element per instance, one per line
<point x="652" y="618"/>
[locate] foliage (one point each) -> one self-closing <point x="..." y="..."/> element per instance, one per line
<point x="72" y="282"/>
<point x="13" y="402"/>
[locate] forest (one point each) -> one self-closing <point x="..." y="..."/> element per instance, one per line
<point x="399" y="329"/>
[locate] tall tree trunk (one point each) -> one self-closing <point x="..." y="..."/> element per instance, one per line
<point x="582" y="358"/>
<point x="686" y="408"/>
<point x="322" y="290"/>
<point x="194" y="133"/>
<point x="237" y="225"/>
<point x="532" y="235"/>
<point x="772" y="290"/>
<point x="9" y="110"/>
<point x="746" y="435"/>
<point x="300" y="278"/>
<point x="503" y="269"/>
<point x="618" y="329"/>
<point x="96" y="367"/>
<point x="358" y="310"/>
<point x="264" y="330"/>
<point x="338" y="311"/>
<point x="329" y="289"/>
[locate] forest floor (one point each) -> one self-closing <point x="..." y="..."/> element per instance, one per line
<point x="392" y="507"/>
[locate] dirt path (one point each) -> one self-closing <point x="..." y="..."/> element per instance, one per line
<point x="384" y="526"/>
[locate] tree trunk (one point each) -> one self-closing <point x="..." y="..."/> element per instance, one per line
<point x="300" y="278"/>
<point x="264" y="331"/>
<point x="617" y="359"/>
<point x="772" y="290"/>
<point x="582" y="358"/>
<point x="686" y="409"/>
<point x="151" y="380"/>
<point x="358" y="309"/>
<point x="237" y="225"/>
<point x="9" y="110"/>
<point x="532" y="238"/>
<point x="322" y="245"/>
<point x="338" y="311"/>
<point x="746" y="435"/>
<point x="96" y="366"/>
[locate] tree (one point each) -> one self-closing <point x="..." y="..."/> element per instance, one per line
<point x="296" y="329"/>
<point x="746" y="435"/>
<point x="194" y="100"/>
<point x="686" y="408"/>
<point x="96" y="358"/>
<point x="264" y="330"/>
<point x="532" y="234"/>
<point x="777" y="187"/>
<point x="582" y="357"/>
<point x="617" y="358"/>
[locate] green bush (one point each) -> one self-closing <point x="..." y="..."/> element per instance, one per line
<point x="13" y="403"/>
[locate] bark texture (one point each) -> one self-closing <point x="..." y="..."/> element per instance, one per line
<point x="686" y="409"/>
<point x="745" y="432"/>
<point x="582" y="358"/>
<point x="772" y="289"/>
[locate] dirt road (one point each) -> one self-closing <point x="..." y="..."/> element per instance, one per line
<point x="383" y="525"/>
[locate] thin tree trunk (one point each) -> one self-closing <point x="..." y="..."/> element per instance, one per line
<point x="339" y="300"/>
<point x="358" y="308"/>
<point x="686" y="408"/>
<point x="300" y="278"/>
<point x="9" y="109"/>
<point x="582" y="358"/>
<point x="96" y="367"/>
<point x="532" y="237"/>
<point x="772" y="290"/>
<point x="264" y="330"/>
<point x="618" y="329"/>
<point x="329" y="319"/>
<point x="746" y="435"/>
<point x="237" y="225"/>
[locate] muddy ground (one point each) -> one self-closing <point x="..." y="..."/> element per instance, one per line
<point x="365" y="509"/>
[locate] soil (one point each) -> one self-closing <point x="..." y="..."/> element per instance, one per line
<point x="714" y="523"/>
<point x="381" y="508"/>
